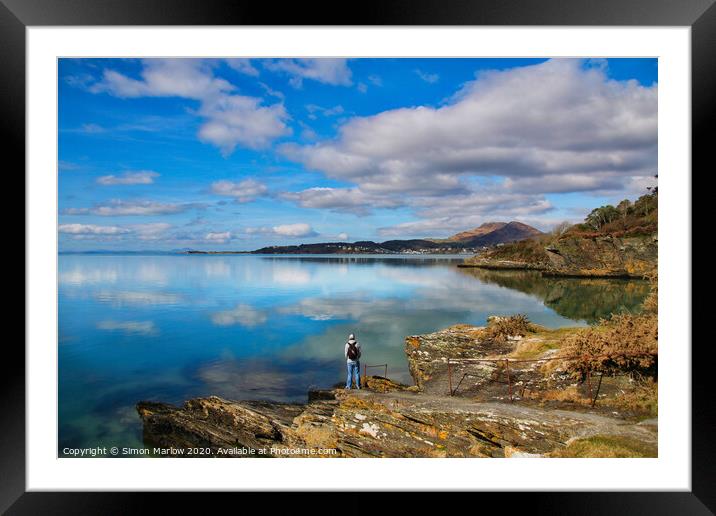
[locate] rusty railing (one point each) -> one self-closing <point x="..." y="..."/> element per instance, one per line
<point x="507" y="361"/>
<point x="365" y="370"/>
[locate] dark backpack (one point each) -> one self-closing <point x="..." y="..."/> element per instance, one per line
<point x="352" y="351"/>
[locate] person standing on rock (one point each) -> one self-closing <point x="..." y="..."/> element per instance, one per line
<point x="352" y="353"/>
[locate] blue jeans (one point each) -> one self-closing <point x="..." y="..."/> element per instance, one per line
<point x="353" y="370"/>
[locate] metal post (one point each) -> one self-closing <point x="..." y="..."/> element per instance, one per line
<point x="599" y="386"/>
<point x="449" y="376"/>
<point x="509" y="384"/>
<point x="386" y="371"/>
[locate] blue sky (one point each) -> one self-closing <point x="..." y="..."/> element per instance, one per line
<point x="238" y="154"/>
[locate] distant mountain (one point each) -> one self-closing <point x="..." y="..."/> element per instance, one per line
<point x="488" y="234"/>
<point x="484" y="229"/>
<point x="492" y="233"/>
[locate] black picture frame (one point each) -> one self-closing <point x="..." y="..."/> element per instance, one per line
<point x="17" y="15"/>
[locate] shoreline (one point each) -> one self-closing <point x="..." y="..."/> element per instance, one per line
<point x="551" y="273"/>
<point x="254" y="253"/>
<point x="433" y="418"/>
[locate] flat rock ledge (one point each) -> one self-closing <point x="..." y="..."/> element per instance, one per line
<point x="387" y="420"/>
<point x="478" y="370"/>
<point x="428" y="357"/>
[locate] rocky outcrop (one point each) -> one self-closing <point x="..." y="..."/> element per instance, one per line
<point x="600" y="257"/>
<point x="477" y="364"/>
<point x="428" y="356"/>
<point x="479" y="370"/>
<point x="387" y="419"/>
<point x="214" y="422"/>
<point x="397" y="423"/>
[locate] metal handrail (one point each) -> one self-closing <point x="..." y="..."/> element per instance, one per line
<point x="365" y="369"/>
<point x="507" y="361"/>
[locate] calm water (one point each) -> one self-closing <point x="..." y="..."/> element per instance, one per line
<point x="168" y="328"/>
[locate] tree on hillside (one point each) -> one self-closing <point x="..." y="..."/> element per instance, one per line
<point x="624" y="208"/>
<point x="598" y="217"/>
<point x="646" y="204"/>
<point x="561" y="228"/>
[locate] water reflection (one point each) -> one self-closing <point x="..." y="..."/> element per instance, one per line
<point x="137" y="298"/>
<point x="415" y="260"/>
<point x="130" y="327"/>
<point x="574" y="298"/>
<point x="173" y="327"/>
<point x="243" y="315"/>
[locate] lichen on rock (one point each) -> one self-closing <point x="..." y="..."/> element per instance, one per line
<point x="398" y="423"/>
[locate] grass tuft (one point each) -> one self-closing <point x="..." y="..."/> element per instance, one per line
<point x="607" y="446"/>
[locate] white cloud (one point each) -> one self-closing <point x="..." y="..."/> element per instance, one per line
<point x="294" y="230"/>
<point x="243" y="315"/>
<point x="272" y="92"/>
<point x="446" y="216"/>
<point x="230" y="119"/>
<point x="79" y="81"/>
<point x="140" y="177"/>
<point x="67" y="166"/>
<point x="420" y="228"/>
<point x="342" y="236"/>
<point x="188" y="78"/>
<point x="315" y="108"/>
<point x="92" y="129"/>
<point x="563" y="183"/>
<point x="243" y="191"/>
<point x="118" y="207"/>
<point x="299" y="229"/>
<point x="552" y="118"/>
<point x="552" y="127"/>
<point x="91" y="229"/>
<point x="375" y="80"/>
<point x="351" y="200"/>
<point x="430" y="78"/>
<point x="243" y="65"/>
<point x="636" y="186"/>
<point x="307" y="132"/>
<point x="151" y="231"/>
<point x="235" y="119"/>
<point x="219" y="237"/>
<point x="325" y="70"/>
